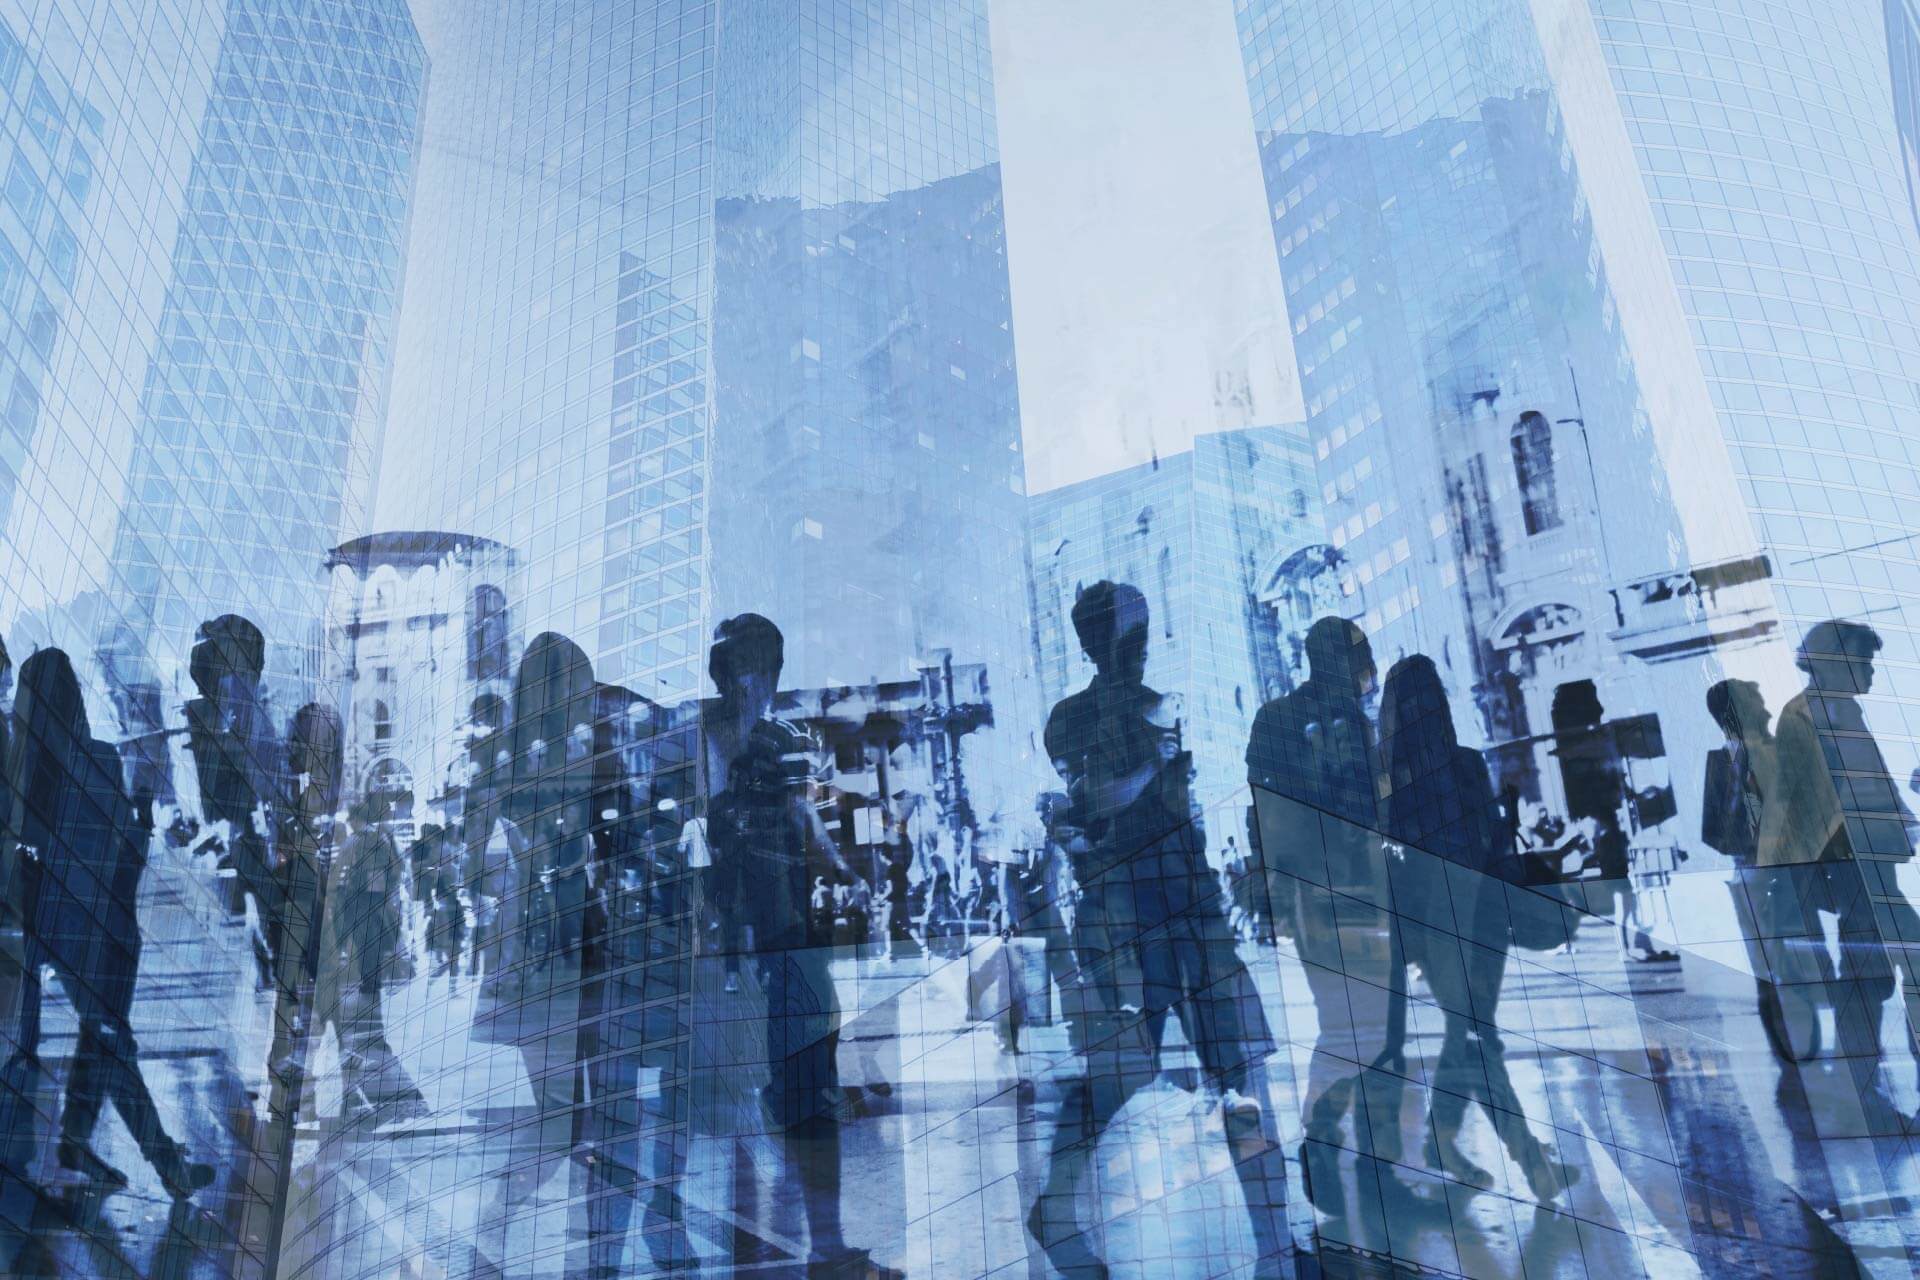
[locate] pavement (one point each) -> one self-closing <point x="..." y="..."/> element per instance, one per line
<point x="1697" y="1155"/>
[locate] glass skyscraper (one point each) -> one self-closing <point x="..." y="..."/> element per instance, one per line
<point x="265" y="403"/>
<point x="99" y="147"/>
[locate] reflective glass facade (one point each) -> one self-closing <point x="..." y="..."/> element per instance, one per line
<point x="269" y="377"/>
<point x="551" y="729"/>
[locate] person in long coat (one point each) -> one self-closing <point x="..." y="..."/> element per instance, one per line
<point x="1441" y="807"/>
<point x="84" y="844"/>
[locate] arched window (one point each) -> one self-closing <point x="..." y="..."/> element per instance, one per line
<point x="1532" y="444"/>
<point x="382" y="722"/>
<point x="487" y="634"/>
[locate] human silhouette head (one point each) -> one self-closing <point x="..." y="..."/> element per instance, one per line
<point x="50" y="701"/>
<point x="1339" y="656"/>
<point x="50" y="723"/>
<point x="1837" y="656"/>
<point x="1414" y="713"/>
<point x="1738" y="707"/>
<point x="745" y="660"/>
<point x="1111" y="620"/>
<point x="226" y="646"/>
<point x="553" y="693"/>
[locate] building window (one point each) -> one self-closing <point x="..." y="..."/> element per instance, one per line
<point x="487" y="634"/>
<point x="382" y="722"/>
<point x="1532" y="442"/>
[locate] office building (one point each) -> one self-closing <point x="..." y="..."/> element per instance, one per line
<point x="265" y="402"/>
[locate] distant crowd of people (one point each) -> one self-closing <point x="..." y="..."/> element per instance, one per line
<point x="599" y="848"/>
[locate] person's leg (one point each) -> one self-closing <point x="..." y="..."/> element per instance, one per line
<point x="552" y="1068"/>
<point x="1260" y="1162"/>
<point x="384" y="1077"/>
<point x="1546" y="1176"/>
<point x="1332" y="1081"/>
<point x="86" y="1093"/>
<point x="664" y="1224"/>
<point x="20" y="1076"/>
<point x="1087" y="1105"/>
<point x="803" y="1086"/>
<point x="1863" y="986"/>
<point x="112" y="1057"/>
<point x="1456" y="1078"/>
<point x="613" y="1130"/>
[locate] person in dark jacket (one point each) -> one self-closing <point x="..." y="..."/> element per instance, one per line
<point x="1150" y="934"/>
<point x="1597" y="798"/>
<point x="640" y="977"/>
<point x="237" y="761"/>
<point x="17" y="985"/>
<point x="81" y="837"/>
<point x="765" y="827"/>
<point x="1791" y="970"/>
<point x="1441" y="807"/>
<point x="1314" y="770"/>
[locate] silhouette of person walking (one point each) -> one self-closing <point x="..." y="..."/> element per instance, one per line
<point x="767" y="833"/>
<point x="532" y="996"/>
<point x="238" y="763"/>
<point x="1838" y="812"/>
<point x="1314" y="769"/>
<point x="1150" y="934"/>
<point x="85" y="849"/>
<point x="1441" y="807"/>
<point x="1743" y="790"/>
<point x="1596" y="790"/>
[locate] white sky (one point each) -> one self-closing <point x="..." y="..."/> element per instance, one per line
<point x="1147" y="303"/>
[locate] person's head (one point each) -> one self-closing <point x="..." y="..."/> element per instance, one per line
<point x="1414" y="714"/>
<point x="228" y="646"/>
<point x="1738" y="707"/>
<point x="1837" y="656"/>
<point x="1576" y="705"/>
<point x="314" y="751"/>
<point x="745" y="660"/>
<point x="553" y="694"/>
<point x="1110" y="618"/>
<point x="49" y="724"/>
<point x="1338" y="655"/>
<point x="49" y="700"/>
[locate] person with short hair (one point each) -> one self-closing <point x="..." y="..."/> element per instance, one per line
<point x="1837" y="810"/>
<point x="1150" y="935"/>
<point x="767" y="835"/>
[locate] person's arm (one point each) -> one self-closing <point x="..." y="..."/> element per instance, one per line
<point x="805" y="801"/>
